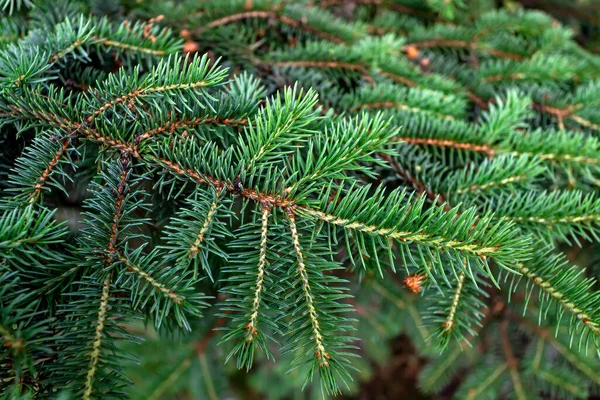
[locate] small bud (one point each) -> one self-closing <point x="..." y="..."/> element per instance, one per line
<point x="190" y="47"/>
<point x="412" y="52"/>
<point x="414" y="282"/>
<point x="185" y="33"/>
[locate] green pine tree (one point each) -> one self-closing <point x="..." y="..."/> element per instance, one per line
<point x="190" y="188"/>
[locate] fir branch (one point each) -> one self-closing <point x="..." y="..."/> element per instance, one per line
<point x="166" y="291"/>
<point x="511" y="361"/>
<point x="477" y="148"/>
<point x="252" y="325"/>
<point x="449" y="324"/>
<point x="566" y="286"/>
<point x="194" y="248"/>
<point x="272" y="15"/>
<point x="321" y="352"/>
<point x="273" y="200"/>
<point x="566" y="213"/>
<point x="363" y="70"/>
<point x="419" y="186"/>
<point x="42" y="180"/>
<point x="131" y="47"/>
<point x="166" y="77"/>
<point x="492" y="376"/>
<point x="503" y="182"/>
<point x="419" y="235"/>
<point x="564" y="349"/>
<point x="191" y="235"/>
<point x="398" y="106"/>
<point x="95" y="354"/>
<point x="464" y="44"/>
<point x="171" y="126"/>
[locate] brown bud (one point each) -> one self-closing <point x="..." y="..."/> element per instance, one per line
<point x="412" y="52"/>
<point x="185" y="33"/>
<point x="190" y="47"/>
<point x="414" y="282"/>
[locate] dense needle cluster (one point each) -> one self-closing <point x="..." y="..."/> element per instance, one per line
<point x="295" y="181"/>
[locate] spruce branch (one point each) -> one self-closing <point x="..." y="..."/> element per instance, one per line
<point x="91" y="370"/>
<point x="197" y="171"/>
<point x="449" y="323"/>
<point x="511" y="361"/>
<point x="566" y="286"/>
<point x="569" y="214"/>
<point x="394" y="216"/>
<point x="271" y="15"/>
<point x="419" y="186"/>
<point x="251" y="298"/>
<point x="563" y="346"/>
<point x="321" y="353"/>
<point x="190" y="237"/>
<point x="170" y="77"/>
<point x="262" y="258"/>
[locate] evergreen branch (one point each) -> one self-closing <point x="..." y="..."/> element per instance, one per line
<point x="122" y="186"/>
<point x="441" y="369"/>
<point x="278" y="126"/>
<point x="464" y="44"/>
<point x="564" y="285"/>
<point x="511" y="361"/>
<point x="51" y="114"/>
<point x="29" y="237"/>
<point x="171" y="76"/>
<point x="131" y="47"/>
<point x="363" y="70"/>
<point x="252" y="325"/>
<point x="77" y="39"/>
<point x="485" y="383"/>
<point x="567" y="213"/>
<point x="23" y="328"/>
<point x="252" y="194"/>
<point x="171" y="379"/>
<point x="160" y="291"/>
<point x="272" y="15"/>
<point x="419" y="186"/>
<point x="502" y="182"/>
<point x="38" y="165"/>
<point x="364" y="136"/>
<point x="477" y="148"/>
<point x="403" y="236"/>
<point x="166" y="291"/>
<point x="584" y="122"/>
<point x="449" y="324"/>
<point x="317" y="328"/>
<point x="398" y="106"/>
<point x="141" y="37"/>
<point x="589" y="371"/>
<point x="194" y="248"/>
<point x="95" y="354"/>
<point x="558" y="380"/>
<point x="495" y="175"/>
<point x="42" y="180"/>
<point x="400" y="101"/>
<point x="321" y="352"/>
<point x="171" y="126"/>
<point x="435" y="232"/>
<point x="190" y="236"/>
<point x="252" y="300"/>
<point x="460" y="313"/>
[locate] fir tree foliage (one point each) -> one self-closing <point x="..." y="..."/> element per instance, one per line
<point x="272" y="186"/>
